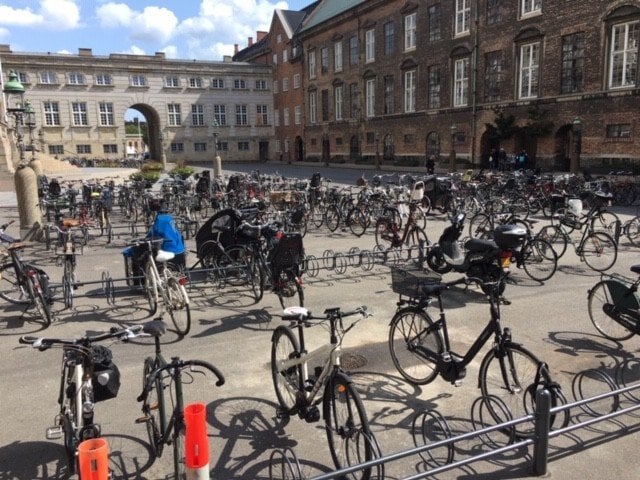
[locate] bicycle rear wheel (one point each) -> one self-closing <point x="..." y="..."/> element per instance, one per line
<point x="348" y="431"/>
<point x="284" y="346"/>
<point x="555" y="237"/>
<point x="613" y="310"/>
<point x="151" y="290"/>
<point x="384" y="233"/>
<point x="178" y="306"/>
<point x="480" y="226"/>
<point x="289" y="290"/>
<point x="10" y="288"/>
<point x="153" y="408"/>
<point x="539" y="260"/>
<point x="632" y="231"/>
<point x="179" y="461"/>
<point x="357" y="221"/>
<point x="35" y="292"/>
<point x="599" y="251"/>
<point x="332" y="218"/>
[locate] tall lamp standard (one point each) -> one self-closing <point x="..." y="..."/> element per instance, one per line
<point x="30" y="122"/>
<point x="574" y="167"/>
<point x="217" y="162"/>
<point x="452" y="155"/>
<point x="377" y="151"/>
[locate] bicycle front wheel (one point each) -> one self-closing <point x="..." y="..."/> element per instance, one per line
<point x="480" y="226"/>
<point x="41" y="304"/>
<point x="539" y="260"/>
<point x="289" y="290"/>
<point x="613" y="310"/>
<point x="347" y="426"/>
<point x="286" y="381"/>
<point x="410" y="334"/>
<point x="10" y="288"/>
<point x="178" y="306"/>
<point x="384" y="233"/>
<point x="151" y="290"/>
<point x="507" y="373"/>
<point x="332" y="218"/>
<point x="599" y="251"/>
<point x="179" y="462"/>
<point x="153" y="408"/>
<point x="555" y="237"/>
<point x="357" y="222"/>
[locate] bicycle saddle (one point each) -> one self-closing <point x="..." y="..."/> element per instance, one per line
<point x="295" y="313"/>
<point x="155" y="327"/>
<point x="164" y="256"/>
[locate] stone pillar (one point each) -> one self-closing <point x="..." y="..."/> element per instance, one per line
<point x="36" y="166"/>
<point x="26" y="184"/>
<point x="217" y="167"/>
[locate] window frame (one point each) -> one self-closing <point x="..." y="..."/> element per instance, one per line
<point x="242" y="117"/>
<point x="337" y="57"/>
<point x="370" y="98"/>
<point x="410" y="91"/>
<point x="462" y="22"/>
<point x="220" y="114"/>
<point x="461" y="82"/>
<point x="389" y="30"/>
<point x="529" y="72"/>
<point x="410" y="34"/>
<point x="197" y="115"/>
<point x="105" y="114"/>
<point x="174" y="114"/>
<point x="625" y="51"/>
<point x="338" y="101"/>
<point x="312" y="64"/>
<point x="313" y="107"/>
<point x="370" y="46"/>
<point x="79" y="114"/>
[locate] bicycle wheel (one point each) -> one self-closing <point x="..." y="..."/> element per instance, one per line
<point x="347" y="426"/>
<point x="632" y="231"/>
<point x="420" y="217"/>
<point x="410" y="332"/>
<point x="284" y="346"/>
<point x="10" y="288"/>
<point x="539" y="260"/>
<point x="613" y="310"/>
<point x="554" y="235"/>
<point x="332" y="218"/>
<point x="317" y="215"/>
<point x="179" y="461"/>
<point x="178" y="306"/>
<point x="204" y="207"/>
<point x="607" y="222"/>
<point x="480" y="226"/>
<point x="153" y="408"/>
<point x="289" y="290"/>
<point x="357" y="222"/>
<point x="507" y="374"/>
<point x="41" y="305"/>
<point x="416" y="238"/>
<point x="67" y="290"/>
<point x="384" y="233"/>
<point x="599" y="251"/>
<point x="257" y="279"/>
<point x="151" y="290"/>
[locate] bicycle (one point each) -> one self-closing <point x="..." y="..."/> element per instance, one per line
<point x="88" y="376"/>
<point x="347" y="427"/>
<point x="159" y="375"/>
<point x="22" y="283"/>
<point x="421" y="349"/>
<point x="387" y="231"/>
<point x="166" y="283"/>
<point x="614" y="305"/>
<point x="68" y="259"/>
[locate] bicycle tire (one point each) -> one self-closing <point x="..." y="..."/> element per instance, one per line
<point x="317" y="216"/>
<point x="384" y="233"/>
<point x="151" y="290"/>
<point x="40" y="303"/>
<point x="258" y="279"/>
<point x="285" y="346"/>
<point x="153" y="408"/>
<point x="480" y="226"/>
<point x="420" y="217"/>
<point x="562" y="216"/>
<point x="539" y="260"/>
<point x="67" y="291"/>
<point x="178" y="306"/>
<point x="415" y="237"/>
<point x="10" y="288"/>
<point x="491" y="380"/>
<point x="204" y="207"/>
<point x="606" y="222"/>
<point x="179" y="460"/>
<point x="406" y="326"/>
<point x="289" y="290"/>
<point x="607" y="312"/>
<point x="346" y="422"/>
<point x="555" y="237"/>
<point x="357" y="222"/>
<point x="332" y="218"/>
<point x="632" y="231"/>
<point x="599" y="251"/>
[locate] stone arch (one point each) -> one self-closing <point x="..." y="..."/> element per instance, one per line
<point x="154" y="128"/>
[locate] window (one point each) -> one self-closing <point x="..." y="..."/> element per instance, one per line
<point x="56" y="149"/>
<point x="325" y="105"/>
<point x="285" y="84"/>
<point x="197" y="115"/>
<point x="103" y="79"/>
<point x="241" y="115"/>
<point x="620" y="130"/>
<point x="572" y="63"/>
<point x="492" y="76"/>
<point x="389" y="87"/>
<point x="262" y="115"/>
<point x="48" y="78"/>
<point x="324" y="59"/>
<point x="261" y="84"/>
<point x="312" y="64"/>
<point x="275" y="87"/>
<point x="285" y="55"/>
<point x="297" y="115"/>
<point x="434" y="87"/>
<point x="296" y="81"/>
<point x="624" y="55"/>
<point x="353" y="98"/>
<point x="276" y="118"/>
<point x="338" y="141"/>
<point x="389" y="38"/>
<point x="79" y="111"/>
<point x="195" y="82"/>
<point x="171" y="82"/>
<point x="75" y="79"/>
<point x="369" y="46"/>
<point x="463" y="14"/>
<point x="83" y="149"/>
<point x="243" y="146"/>
<point x="353" y="50"/>
<point x="530" y="7"/>
<point x="529" y="64"/>
<point x="175" y="119"/>
<point x="313" y="107"/>
<point x="220" y="115"/>
<point x="434" y="18"/>
<point x="274" y="59"/>
<point x="200" y="146"/>
<point x="339" y="102"/>
<point x="410" y="31"/>
<point x="106" y="114"/>
<point x="461" y="82"/>
<point x="138" y="81"/>
<point x="51" y="114"/>
<point x="287" y="145"/>
<point x="23" y="78"/>
<point x="433" y="144"/>
<point x="110" y="148"/>
<point x="177" y="147"/>
<point x="337" y="57"/>
<point x="223" y="146"/>
<point x="279" y="38"/>
<point x="371" y="98"/>
<point x="494" y="11"/>
<point x="285" y="115"/>
<point x="217" y="83"/>
<point x="410" y="91"/>
<point x="239" y="84"/>
<point x="278" y="146"/>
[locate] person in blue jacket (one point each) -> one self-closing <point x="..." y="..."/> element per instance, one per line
<point x="164" y="226"/>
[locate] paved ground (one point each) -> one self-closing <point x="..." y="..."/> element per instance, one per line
<point x="233" y="332"/>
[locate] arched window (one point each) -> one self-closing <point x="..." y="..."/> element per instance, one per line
<point x="433" y="144"/>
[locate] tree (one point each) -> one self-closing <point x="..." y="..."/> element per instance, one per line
<point x="504" y="127"/>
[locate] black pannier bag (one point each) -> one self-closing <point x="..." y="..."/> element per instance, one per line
<point x="287" y="253"/>
<point x="106" y="376"/>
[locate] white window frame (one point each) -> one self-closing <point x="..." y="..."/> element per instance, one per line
<point x="410" y="31"/>
<point x="276" y="88"/>
<point x="274" y="59"/>
<point x="195" y="82"/>
<point x="138" y="81"/>
<point x="262" y="115"/>
<point x="529" y="71"/>
<point x="337" y="56"/>
<point x="79" y="114"/>
<point x="312" y="64"/>
<point x="285" y="55"/>
<point x="285" y="115"/>
<point x="296" y="81"/>
<point x="242" y="118"/>
<point x="48" y="78"/>
<point x="623" y="56"/>
<point x="276" y="118"/>
<point x="103" y="79"/>
<point x="370" y="46"/>
<point x="338" y="98"/>
<point x="239" y="84"/>
<point x="370" y="105"/>
<point x="75" y="79"/>
<point x="217" y="83"/>
<point x="171" y="82"/>
<point x="261" y="84"/>
<point x="107" y="118"/>
<point x="51" y="113"/>
<point x="220" y="114"/>
<point x="461" y="82"/>
<point x="313" y="107"/>
<point x="410" y="91"/>
<point x="297" y="115"/>
<point x="285" y="84"/>
<point x="197" y="115"/>
<point x="463" y="17"/>
<point x="174" y="116"/>
<point x="530" y="7"/>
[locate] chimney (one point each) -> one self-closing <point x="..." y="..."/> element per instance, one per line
<point x="235" y="48"/>
<point x="85" y="52"/>
<point x="250" y="41"/>
<point x="260" y="35"/>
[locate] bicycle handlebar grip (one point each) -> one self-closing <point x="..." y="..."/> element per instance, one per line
<point x="27" y="340"/>
<point x="211" y="368"/>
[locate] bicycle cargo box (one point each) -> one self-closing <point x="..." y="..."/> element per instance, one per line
<point x="288" y="252"/>
<point x="408" y="281"/>
<point x="106" y="376"/>
<point x="509" y="236"/>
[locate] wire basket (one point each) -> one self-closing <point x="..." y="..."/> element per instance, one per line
<point x="407" y="281"/>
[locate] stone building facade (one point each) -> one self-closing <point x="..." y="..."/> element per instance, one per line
<point x="80" y="103"/>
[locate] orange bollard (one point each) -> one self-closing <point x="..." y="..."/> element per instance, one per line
<point x="93" y="459"/>
<point x="196" y="442"/>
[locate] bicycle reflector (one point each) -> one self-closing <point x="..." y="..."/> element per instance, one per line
<point x="183" y="280"/>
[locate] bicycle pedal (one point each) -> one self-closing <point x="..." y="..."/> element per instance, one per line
<point x="282" y="414"/>
<point x="457" y="383"/>
<point x="54" y="433"/>
<point x="144" y="419"/>
<point x="312" y="414"/>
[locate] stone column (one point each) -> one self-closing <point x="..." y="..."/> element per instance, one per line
<point x="26" y="183"/>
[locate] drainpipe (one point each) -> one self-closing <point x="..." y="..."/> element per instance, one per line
<point x="474" y="99"/>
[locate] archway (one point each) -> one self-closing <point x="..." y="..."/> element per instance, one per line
<point x="150" y="133"/>
<point x="326" y="149"/>
<point x="354" y="149"/>
<point x="299" y="146"/>
<point x="563" y="146"/>
<point x="388" y="153"/>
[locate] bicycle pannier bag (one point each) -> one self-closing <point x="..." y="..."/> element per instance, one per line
<point x="106" y="376"/>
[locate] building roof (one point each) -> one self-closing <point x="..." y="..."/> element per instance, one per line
<point x="327" y="9"/>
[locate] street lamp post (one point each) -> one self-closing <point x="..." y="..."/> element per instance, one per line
<point x="30" y="122"/>
<point x="452" y="155"/>
<point x="577" y="145"/>
<point x="217" y="162"/>
<point x="377" y="151"/>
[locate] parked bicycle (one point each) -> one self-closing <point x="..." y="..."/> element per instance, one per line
<point x="67" y="257"/>
<point x="163" y="414"/>
<point x="88" y="376"/>
<point x="297" y="388"/>
<point x="389" y="235"/>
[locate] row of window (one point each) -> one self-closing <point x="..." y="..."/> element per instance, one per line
<point x="176" y="147"/>
<point x="170" y="81"/>
<point x="297" y="83"/>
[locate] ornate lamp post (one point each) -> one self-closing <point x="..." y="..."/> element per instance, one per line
<point x="30" y="122"/>
<point x="577" y="145"/>
<point x="217" y="161"/>
<point x="452" y="155"/>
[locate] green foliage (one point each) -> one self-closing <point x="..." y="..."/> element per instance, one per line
<point x="504" y="126"/>
<point x="150" y="176"/>
<point x="182" y="172"/>
<point x="151" y="167"/>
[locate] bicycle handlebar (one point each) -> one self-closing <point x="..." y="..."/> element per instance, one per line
<point x="176" y="363"/>
<point x="41" y="343"/>
<point x="303" y="315"/>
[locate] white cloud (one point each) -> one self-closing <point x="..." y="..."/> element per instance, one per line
<point x="4" y="33"/>
<point x="112" y="15"/>
<point x="136" y="50"/>
<point x="51" y="14"/>
<point x="170" y="51"/>
<point x="151" y="25"/>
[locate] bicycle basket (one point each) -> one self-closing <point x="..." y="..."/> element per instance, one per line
<point x="408" y="281"/>
<point x="106" y="376"/>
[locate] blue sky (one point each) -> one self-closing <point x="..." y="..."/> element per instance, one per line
<point x="186" y="29"/>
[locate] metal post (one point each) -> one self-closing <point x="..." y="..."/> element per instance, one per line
<point x="542" y="426"/>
